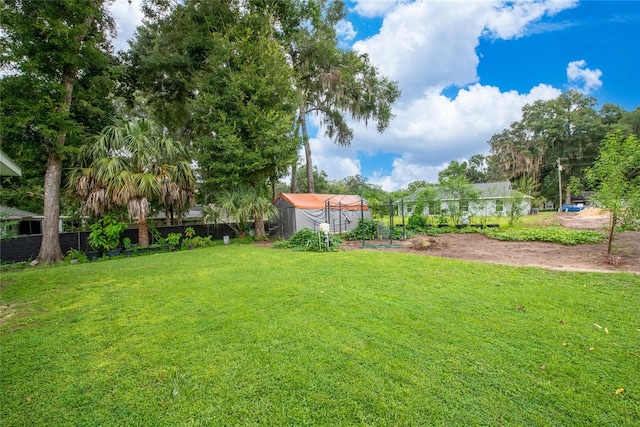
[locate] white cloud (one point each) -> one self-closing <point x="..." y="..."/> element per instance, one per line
<point x="513" y="19"/>
<point x="127" y="15"/>
<point x="582" y="78"/>
<point x="404" y="173"/>
<point x="338" y="162"/>
<point x="373" y="8"/>
<point x="432" y="45"/>
<point x="427" y="47"/>
<point x="430" y="132"/>
<point x="345" y="31"/>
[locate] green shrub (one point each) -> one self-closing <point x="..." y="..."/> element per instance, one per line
<point x="310" y="241"/>
<point x="105" y="234"/>
<point x="6" y="227"/>
<point x="282" y="244"/>
<point x="565" y="236"/>
<point x="76" y="254"/>
<point x="374" y="229"/>
<point x="467" y="230"/>
<point x="432" y="231"/>
<point x="367" y="229"/>
<point x="397" y="233"/>
<point x="173" y="240"/>
<point x="416" y="222"/>
<point x="197" y="242"/>
<point x="189" y="232"/>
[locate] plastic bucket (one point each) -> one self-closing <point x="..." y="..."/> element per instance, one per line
<point x="225" y="239"/>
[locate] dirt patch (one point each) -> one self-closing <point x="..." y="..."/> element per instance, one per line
<point x="477" y="247"/>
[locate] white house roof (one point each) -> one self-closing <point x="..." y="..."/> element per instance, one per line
<point x="488" y="190"/>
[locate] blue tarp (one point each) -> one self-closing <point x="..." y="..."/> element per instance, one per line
<point x="572" y="208"/>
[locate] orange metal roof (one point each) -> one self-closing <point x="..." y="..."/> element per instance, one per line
<point x="319" y="201"/>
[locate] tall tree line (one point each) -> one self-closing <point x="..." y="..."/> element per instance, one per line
<point x="179" y="60"/>
<point x="233" y="80"/>
<point x="559" y="136"/>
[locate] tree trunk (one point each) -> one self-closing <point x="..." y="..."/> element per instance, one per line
<point x="50" y="247"/>
<point x="50" y="251"/>
<point x="167" y="215"/>
<point x="567" y="198"/>
<point x="294" y="176"/>
<point x="612" y="229"/>
<point x="178" y="215"/>
<point x="259" y="227"/>
<point x="307" y="153"/>
<point x="143" y="231"/>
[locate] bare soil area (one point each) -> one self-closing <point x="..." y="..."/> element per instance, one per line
<point x="477" y="247"/>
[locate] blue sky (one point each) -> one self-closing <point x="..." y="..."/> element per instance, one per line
<point x="466" y="68"/>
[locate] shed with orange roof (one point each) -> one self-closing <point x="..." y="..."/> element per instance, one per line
<point x="298" y="211"/>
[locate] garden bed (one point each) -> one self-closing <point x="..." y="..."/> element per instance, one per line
<point x="477" y="247"/>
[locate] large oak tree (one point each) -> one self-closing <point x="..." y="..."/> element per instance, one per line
<point x="566" y="128"/>
<point x="51" y="45"/>
<point x="333" y="83"/>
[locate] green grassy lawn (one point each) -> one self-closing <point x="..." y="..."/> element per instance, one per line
<point x="243" y="335"/>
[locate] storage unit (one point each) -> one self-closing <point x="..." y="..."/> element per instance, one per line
<point x="299" y="211"/>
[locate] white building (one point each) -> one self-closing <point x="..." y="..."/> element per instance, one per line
<point x="489" y="199"/>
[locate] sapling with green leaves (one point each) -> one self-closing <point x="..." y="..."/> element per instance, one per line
<point x="105" y="234"/>
<point x="616" y="178"/>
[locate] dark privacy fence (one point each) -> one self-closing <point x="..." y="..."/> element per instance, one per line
<point x="27" y="247"/>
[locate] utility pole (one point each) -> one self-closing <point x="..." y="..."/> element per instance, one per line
<point x="559" y="186"/>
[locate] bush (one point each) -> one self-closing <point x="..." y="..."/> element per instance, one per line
<point x="374" y="229"/>
<point x="282" y="244"/>
<point x="6" y="227"/>
<point x="105" y="234"/>
<point x="432" y="231"/>
<point x="397" y="233"/>
<point x="77" y="255"/>
<point x="561" y="235"/>
<point x="196" y="242"/>
<point x="173" y="240"/>
<point x="416" y="222"/>
<point x="189" y="232"/>
<point x="367" y="229"/>
<point x="311" y="241"/>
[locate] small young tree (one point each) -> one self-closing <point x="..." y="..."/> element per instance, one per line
<point x="417" y="220"/>
<point x="616" y="178"/>
<point x="513" y="206"/>
<point x="461" y="195"/>
<point x="428" y="197"/>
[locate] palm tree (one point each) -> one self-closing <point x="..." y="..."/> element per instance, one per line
<point x="238" y="208"/>
<point x="130" y="164"/>
<point x="177" y="190"/>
